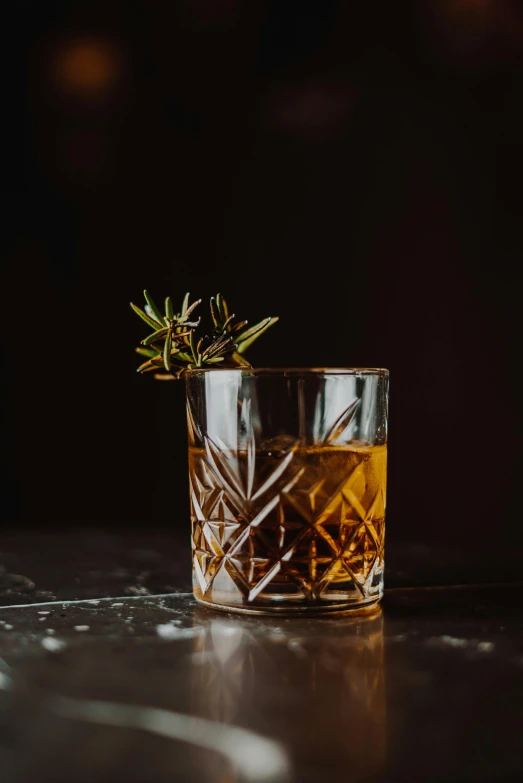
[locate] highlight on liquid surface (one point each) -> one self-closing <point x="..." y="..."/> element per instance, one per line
<point x="299" y="525"/>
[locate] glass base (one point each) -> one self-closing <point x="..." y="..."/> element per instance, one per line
<point x="282" y="606"/>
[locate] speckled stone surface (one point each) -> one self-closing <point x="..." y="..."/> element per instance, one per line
<point x="101" y="680"/>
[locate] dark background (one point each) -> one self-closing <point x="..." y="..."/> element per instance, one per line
<point x="350" y="167"/>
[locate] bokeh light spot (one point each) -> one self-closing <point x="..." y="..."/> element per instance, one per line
<point x="87" y="67"/>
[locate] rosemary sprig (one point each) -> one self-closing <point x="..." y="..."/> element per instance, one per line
<point x="172" y="348"/>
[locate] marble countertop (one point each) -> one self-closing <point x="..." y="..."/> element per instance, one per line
<point x="110" y="671"/>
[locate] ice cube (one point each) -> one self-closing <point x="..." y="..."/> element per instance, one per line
<point x="279" y="445"/>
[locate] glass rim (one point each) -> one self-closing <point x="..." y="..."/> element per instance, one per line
<point x="292" y="371"/>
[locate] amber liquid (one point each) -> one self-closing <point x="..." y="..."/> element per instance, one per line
<point x="304" y="526"/>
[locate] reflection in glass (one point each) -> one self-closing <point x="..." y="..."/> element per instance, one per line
<point x="319" y="692"/>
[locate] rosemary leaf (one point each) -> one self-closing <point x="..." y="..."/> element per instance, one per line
<point x="150" y="364"/>
<point x="221" y="351"/>
<point x="218" y="346"/>
<point x="150" y="301"/>
<point x="238" y="327"/>
<point x="252" y="330"/>
<point x="227" y="322"/>
<point x="169" y="310"/>
<point x="240" y="359"/>
<point x="193" y="349"/>
<point x="247" y="338"/>
<point x="150" y="352"/>
<point x="167" y="352"/>
<point x="181" y="335"/>
<point x="153" y="368"/>
<point x="192" y="307"/>
<point x="185" y="303"/>
<point x="148" y="320"/>
<point x="215" y="314"/>
<point x="184" y="357"/>
<point x="155" y="336"/>
<point x="222" y="308"/>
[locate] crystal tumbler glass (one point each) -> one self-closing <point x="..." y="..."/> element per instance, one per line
<point x="287" y="471"/>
